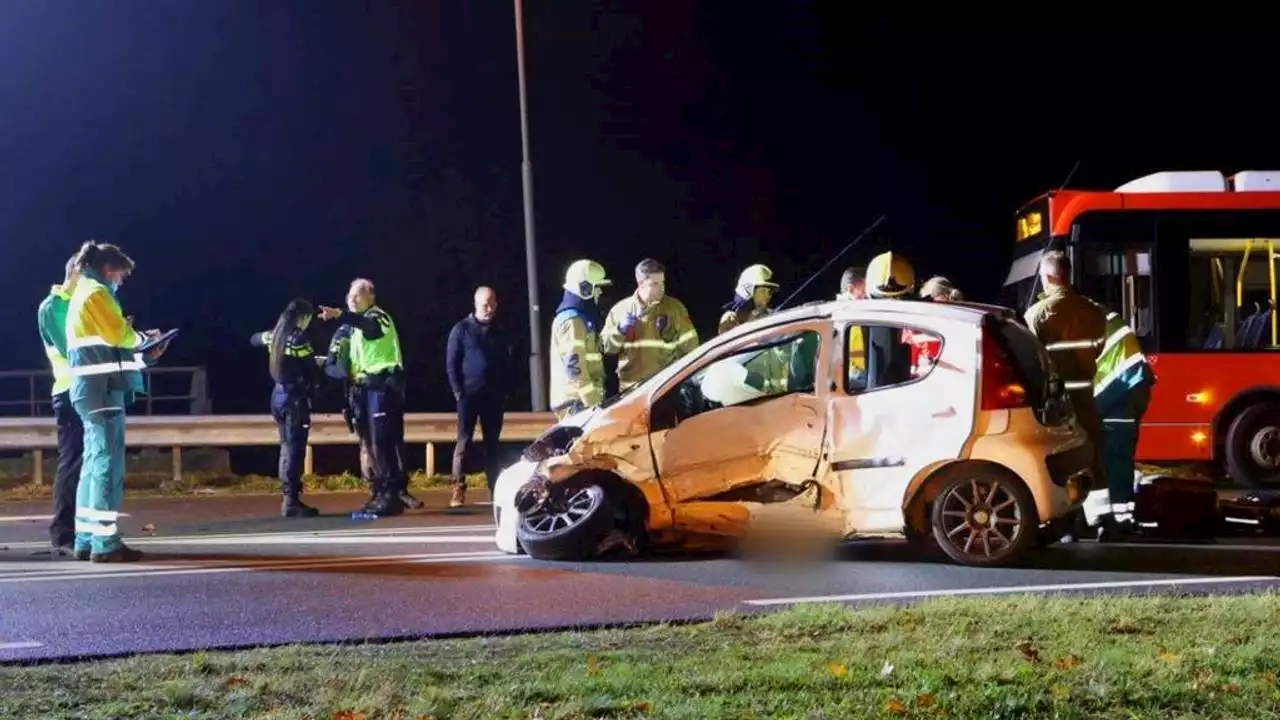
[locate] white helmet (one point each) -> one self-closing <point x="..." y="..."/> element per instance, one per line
<point x="752" y="278"/>
<point x="585" y="278"/>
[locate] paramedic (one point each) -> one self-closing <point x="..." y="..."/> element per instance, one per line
<point x="52" y="317"/>
<point x="1121" y="389"/>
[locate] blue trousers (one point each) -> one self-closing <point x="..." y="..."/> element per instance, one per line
<point x="292" y="413"/>
<point x="101" y="488"/>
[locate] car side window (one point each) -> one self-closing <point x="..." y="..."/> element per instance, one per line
<point x="776" y="366"/>
<point x="883" y="356"/>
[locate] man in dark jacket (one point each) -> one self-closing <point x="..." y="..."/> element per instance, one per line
<point x="479" y="364"/>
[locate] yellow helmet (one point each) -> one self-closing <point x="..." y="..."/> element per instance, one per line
<point x="752" y="278"/>
<point x="889" y="275"/>
<point x="584" y="278"/>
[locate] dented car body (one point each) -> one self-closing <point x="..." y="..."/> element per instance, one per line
<point x="825" y="420"/>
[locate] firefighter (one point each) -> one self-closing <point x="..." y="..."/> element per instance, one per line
<point x="648" y="330"/>
<point x="1072" y="328"/>
<point x="52" y="317"/>
<point x="888" y="356"/>
<point x="106" y="376"/>
<point x="751" y="297"/>
<point x="577" y="367"/>
<point x="853" y="286"/>
<point x="1121" y="391"/>
<point x="292" y="364"/>
<point x="379" y="369"/>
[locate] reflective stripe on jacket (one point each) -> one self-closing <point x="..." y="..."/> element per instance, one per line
<point x="1072" y="328"/>
<point x="100" y="345"/>
<point x="1121" y="367"/>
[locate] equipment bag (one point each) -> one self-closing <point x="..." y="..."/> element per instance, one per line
<point x="1177" y="506"/>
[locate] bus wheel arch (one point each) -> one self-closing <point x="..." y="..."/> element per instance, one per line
<point x="1242" y="425"/>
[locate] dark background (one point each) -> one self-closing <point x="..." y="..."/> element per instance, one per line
<point x="245" y="152"/>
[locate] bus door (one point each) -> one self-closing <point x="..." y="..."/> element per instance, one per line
<point x="1114" y="264"/>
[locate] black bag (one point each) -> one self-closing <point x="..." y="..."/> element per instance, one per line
<point x="1177" y="506"/>
<point x="1255" y="511"/>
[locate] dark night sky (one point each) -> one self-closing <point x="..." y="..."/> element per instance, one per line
<point x="246" y="151"/>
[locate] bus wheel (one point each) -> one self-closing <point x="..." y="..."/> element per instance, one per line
<point x="1253" y="446"/>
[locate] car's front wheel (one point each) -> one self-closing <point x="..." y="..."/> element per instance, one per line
<point x="568" y="526"/>
<point x="984" y="516"/>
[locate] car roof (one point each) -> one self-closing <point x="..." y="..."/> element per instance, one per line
<point x="839" y="310"/>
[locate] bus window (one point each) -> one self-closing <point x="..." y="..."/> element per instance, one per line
<point x="1114" y="260"/>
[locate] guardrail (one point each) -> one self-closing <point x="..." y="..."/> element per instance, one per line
<point x="39" y="384"/>
<point x="179" y="431"/>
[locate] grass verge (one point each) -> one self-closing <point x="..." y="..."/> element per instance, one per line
<point x="164" y="485"/>
<point x="1018" y="657"/>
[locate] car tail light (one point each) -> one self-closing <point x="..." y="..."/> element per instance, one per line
<point x="1001" y="388"/>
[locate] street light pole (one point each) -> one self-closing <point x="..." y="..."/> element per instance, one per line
<point x="537" y="391"/>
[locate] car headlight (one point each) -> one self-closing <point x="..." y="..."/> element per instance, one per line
<point x="551" y="443"/>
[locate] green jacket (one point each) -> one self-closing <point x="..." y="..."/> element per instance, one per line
<point x="52" y="323"/>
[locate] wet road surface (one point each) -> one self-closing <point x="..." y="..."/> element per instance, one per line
<point x="228" y="572"/>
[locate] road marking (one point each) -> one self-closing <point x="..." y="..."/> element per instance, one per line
<point x="1014" y="589"/>
<point x="252" y="566"/>
<point x="1192" y="546"/>
<point x="33" y="518"/>
<point x="23" y="645"/>
<point x="427" y="535"/>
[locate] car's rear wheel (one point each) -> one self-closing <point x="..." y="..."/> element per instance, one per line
<point x="569" y="526"/>
<point x="983" y="516"/>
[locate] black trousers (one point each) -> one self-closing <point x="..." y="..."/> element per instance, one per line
<point x="487" y="408"/>
<point x="384" y="409"/>
<point x="62" y="530"/>
<point x="292" y="413"/>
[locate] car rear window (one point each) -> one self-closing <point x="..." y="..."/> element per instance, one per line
<point x="1030" y="360"/>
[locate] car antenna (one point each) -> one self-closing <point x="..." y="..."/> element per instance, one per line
<point x="1070" y="175"/>
<point x="843" y="250"/>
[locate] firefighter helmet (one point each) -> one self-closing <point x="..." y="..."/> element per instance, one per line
<point x="889" y="275"/>
<point x="585" y="278"/>
<point x="752" y="278"/>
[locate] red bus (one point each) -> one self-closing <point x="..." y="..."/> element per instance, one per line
<point x="1189" y="259"/>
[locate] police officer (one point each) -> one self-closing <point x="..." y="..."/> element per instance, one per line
<point x="293" y="368"/>
<point x="577" y="367"/>
<point x="1072" y="328"/>
<point x="648" y="330"/>
<point x="338" y="365"/>
<point x="751" y="297"/>
<point x="888" y="357"/>
<point x="52" y="321"/>
<point x="379" y="368"/>
<point x="1121" y="391"/>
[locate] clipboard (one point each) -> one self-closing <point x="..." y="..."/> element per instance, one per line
<point x="153" y="342"/>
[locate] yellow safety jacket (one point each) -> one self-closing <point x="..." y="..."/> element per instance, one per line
<point x="577" y="367"/>
<point x="662" y="334"/>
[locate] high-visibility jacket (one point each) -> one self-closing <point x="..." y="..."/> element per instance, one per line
<point x="733" y="318"/>
<point x="376" y="356"/>
<point x="662" y="334"/>
<point x="298" y="367"/>
<point x="1121" y="368"/>
<point x="52" y="322"/>
<point x="857" y="349"/>
<point x="337" y="363"/>
<point x="1072" y="328"/>
<point x="577" y="367"/>
<point x="100" y="345"/>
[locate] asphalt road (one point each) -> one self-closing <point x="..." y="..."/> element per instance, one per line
<point x="227" y="572"/>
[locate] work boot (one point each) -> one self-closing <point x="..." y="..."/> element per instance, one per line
<point x="292" y="507"/>
<point x="1118" y="530"/>
<point x="387" y="505"/>
<point x="459" y="497"/>
<point x="123" y="553"/>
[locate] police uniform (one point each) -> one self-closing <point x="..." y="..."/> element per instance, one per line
<point x="106" y="376"/>
<point x="291" y="409"/>
<point x="337" y="365"/>
<point x="52" y="316"/>
<point x="379" y="368"/>
<point x="647" y="337"/>
<point x="1121" y="390"/>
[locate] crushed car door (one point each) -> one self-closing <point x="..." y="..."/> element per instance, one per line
<point x="885" y="430"/>
<point x="753" y="414"/>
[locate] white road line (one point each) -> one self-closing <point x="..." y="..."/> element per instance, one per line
<point x="33" y="518"/>
<point x="1014" y="589"/>
<point x="288" y="566"/>
<point x="22" y="645"/>
<point x="277" y="538"/>
<point x="1192" y="546"/>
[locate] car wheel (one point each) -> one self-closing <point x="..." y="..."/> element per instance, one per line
<point x="569" y="527"/>
<point x="1253" y="447"/>
<point x="984" y="517"/>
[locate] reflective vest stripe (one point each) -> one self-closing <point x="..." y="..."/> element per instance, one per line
<point x="1073" y="345"/>
<point x="1115" y="373"/>
<point x="104" y="369"/>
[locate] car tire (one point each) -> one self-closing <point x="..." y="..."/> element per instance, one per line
<point x="586" y="517"/>
<point x="1252" y="447"/>
<point x="986" y="533"/>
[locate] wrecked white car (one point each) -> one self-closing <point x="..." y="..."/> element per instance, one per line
<point x="828" y="419"/>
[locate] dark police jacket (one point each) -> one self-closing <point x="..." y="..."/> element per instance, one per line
<point x="479" y="358"/>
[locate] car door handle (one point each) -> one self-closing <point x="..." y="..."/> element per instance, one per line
<point x="945" y="413"/>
